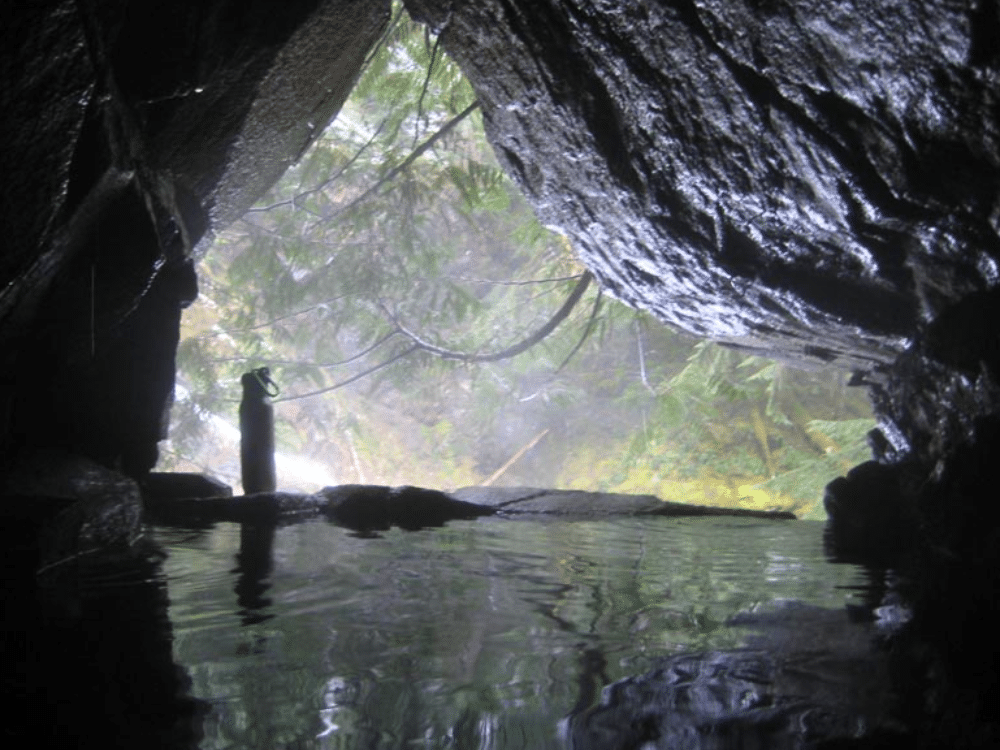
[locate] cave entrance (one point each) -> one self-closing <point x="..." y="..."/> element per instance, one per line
<point x="380" y="275"/>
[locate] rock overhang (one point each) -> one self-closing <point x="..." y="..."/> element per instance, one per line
<point x="820" y="177"/>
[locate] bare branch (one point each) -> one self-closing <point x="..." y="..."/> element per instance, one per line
<point x="423" y="91"/>
<point x="267" y="323"/>
<point x="522" y="346"/>
<point x="293" y="201"/>
<point x="354" y="378"/>
<point x="384" y="38"/>
<point x="525" y="282"/>
<point x="586" y="331"/>
<point x="322" y="365"/>
<point x="414" y="155"/>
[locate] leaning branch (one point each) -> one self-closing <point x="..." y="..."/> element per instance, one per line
<point x="586" y="331"/>
<point x="354" y="378"/>
<point x="519" y="282"/>
<point x="419" y="345"/>
<point x="294" y="200"/>
<point x="414" y="155"/>
<point x="427" y="81"/>
<point x="522" y="346"/>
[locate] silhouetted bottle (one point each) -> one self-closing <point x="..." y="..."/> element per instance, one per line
<point x="257" y="432"/>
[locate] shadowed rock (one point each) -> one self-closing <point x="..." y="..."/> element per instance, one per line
<point x="57" y="507"/>
<point x="817" y="182"/>
<point x="375" y="508"/>
<point x="795" y="686"/>
<point x="869" y="519"/>
<point x="575" y="503"/>
<point x="369" y="508"/>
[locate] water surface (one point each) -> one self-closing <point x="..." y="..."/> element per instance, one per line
<point x="482" y="634"/>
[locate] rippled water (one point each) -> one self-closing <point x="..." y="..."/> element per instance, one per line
<point x="483" y="634"/>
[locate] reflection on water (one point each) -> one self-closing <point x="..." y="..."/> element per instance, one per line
<point x="501" y="633"/>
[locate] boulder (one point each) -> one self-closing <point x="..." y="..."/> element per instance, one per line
<point x="870" y="520"/>
<point x="59" y="507"/>
<point x="370" y="508"/>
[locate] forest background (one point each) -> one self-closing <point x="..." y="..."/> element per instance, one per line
<point x="387" y="277"/>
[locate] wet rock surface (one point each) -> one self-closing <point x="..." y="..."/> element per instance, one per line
<point x="941" y="439"/>
<point x="128" y="137"/>
<point x="800" y="680"/>
<point x="734" y="699"/>
<point x="817" y="182"/>
<point x="57" y="507"/>
<point x="924" y="511"/>
<point x="809" y="180"/>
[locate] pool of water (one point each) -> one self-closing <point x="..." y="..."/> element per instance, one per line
<point x="512" y="633"/>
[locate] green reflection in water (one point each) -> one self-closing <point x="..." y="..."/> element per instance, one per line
<point x="478" y="635"/>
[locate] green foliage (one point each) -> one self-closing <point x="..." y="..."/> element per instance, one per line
<point x="808" y="477"/>
<point x="398" y="226"/>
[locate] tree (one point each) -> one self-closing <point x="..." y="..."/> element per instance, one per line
<point x="389" y="276"/>
<point x="389" y="247"/>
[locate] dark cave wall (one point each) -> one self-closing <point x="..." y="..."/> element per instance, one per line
<point x="812" y="179"/>
<point x="132" y="130"/>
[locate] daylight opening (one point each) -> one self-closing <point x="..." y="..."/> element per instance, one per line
<point x="386" y="277"/>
